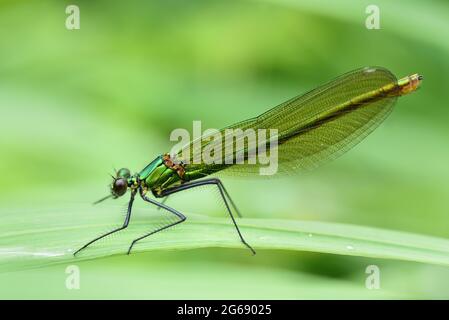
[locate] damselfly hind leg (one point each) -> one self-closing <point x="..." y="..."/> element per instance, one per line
<point x="229" y="197"/>
<point x="223" y="193"/>
<point x="125" y="224"/>
<point x="164" y="200"/>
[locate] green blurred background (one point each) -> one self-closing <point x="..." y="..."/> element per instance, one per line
<point x="77" y="103"/>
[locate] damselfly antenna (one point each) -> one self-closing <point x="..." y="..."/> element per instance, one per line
<point x="102" y="199"/>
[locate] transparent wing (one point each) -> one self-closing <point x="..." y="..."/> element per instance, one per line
<point x="311" y="129"/>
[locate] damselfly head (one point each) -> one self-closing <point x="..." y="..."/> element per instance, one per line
<point x="120" y="183"/>
<point x="119" y="187"/>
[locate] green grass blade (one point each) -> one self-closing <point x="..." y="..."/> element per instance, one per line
<point x="50" y="236"/>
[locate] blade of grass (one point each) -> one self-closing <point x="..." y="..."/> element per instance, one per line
<point x="148" y="277"/>
<point x="35" y="238"/>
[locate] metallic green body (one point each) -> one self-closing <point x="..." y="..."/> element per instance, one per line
<point x="157" y="177"/>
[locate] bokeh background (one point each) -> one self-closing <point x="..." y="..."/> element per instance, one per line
<point x="74" y="104"/>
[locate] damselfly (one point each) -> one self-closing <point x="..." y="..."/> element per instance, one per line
<point x="311" y="129"/>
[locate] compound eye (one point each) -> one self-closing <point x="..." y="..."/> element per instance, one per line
<point x="123" y="173"/>
<point x="119" y="187"/>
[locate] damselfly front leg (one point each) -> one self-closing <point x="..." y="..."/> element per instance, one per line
<point x="125" y="224"/>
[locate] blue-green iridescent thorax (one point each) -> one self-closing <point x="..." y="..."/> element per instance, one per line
<point x="156" y="176"/>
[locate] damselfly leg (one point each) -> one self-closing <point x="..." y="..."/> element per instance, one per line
<point x="223" y="193"/>
<point x="164" y="200"/>
<point x="181" y="217"/>
<point x="125" y="224"/>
